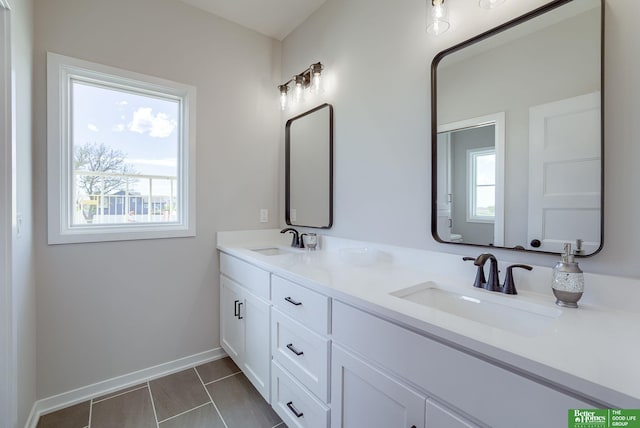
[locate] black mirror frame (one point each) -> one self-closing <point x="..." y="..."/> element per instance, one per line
<point x="288" y="166"/>
<point x="434" y="119"/>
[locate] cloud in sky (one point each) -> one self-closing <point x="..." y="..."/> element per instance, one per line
<point x="118" y="128"/>
<point x="158" y="126"/>
<point x="92" y="127"/>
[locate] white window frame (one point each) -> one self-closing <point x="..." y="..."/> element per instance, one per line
<point x="472" y="185"/>
<point x="60" y="71"/>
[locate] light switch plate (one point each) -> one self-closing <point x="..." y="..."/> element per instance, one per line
<point x="18" y="225"/>
<point x="264" y="215"/>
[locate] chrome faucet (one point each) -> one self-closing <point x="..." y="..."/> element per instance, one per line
<point x="296" y="240"/>
<point x="493" y="282"/>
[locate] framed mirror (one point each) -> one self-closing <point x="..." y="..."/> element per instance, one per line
<point x="309" y="168"/>
<point x="517" y="133"/>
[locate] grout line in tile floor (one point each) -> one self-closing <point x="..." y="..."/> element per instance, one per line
<point x="222" y="378"/>
<point x="90" y="412"/>
<point x="211" y="398"/>
<point x="94" y="401"/>
<point x="147" y="385"/>
<point x="182" y="413"/>
<point x="153" y="405"/>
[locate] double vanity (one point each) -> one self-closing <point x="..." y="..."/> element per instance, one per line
<point x="357" y="334"/>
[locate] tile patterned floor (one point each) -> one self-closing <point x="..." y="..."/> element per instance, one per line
<point x="213" y="395"/>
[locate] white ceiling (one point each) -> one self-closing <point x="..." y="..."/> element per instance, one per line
<point x="274" y="18"/>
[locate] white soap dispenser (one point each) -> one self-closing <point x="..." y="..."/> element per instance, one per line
<point x="568" y="280"/>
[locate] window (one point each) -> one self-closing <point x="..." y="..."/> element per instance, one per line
<point x="481" y="169"/>
<point x="121" y="154"/>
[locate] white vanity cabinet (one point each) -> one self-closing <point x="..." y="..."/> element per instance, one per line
<point x="325" y="356"/>
<point x="364" y="396"/>
<point x="245" y="320"/>
<point x="491" y="395"/>
<point x="301" y="353"/>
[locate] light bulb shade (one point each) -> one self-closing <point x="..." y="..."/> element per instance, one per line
<point x="299" y="88"/>
<point x="316" y="77"/>
<point x="490" y="4"/>
<point x="284" y="89"/>
<point x="437" y="17"/>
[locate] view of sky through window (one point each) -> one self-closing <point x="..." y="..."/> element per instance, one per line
<point x="485" y="182"/>
<point x="139" y="135"/>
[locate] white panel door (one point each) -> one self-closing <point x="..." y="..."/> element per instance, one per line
<point x="255" y="314"/>
<point x="564" y="173"/>
<point x="231" y="324"/>
<point x="8" y="380"/>
<point x="362" y="396"/>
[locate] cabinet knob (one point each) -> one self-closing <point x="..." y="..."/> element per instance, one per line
<point x="294" y="350"/>
<point x="293" y="302"/>
<point x="535" y="243"/>
<point x="294" y="410"/>
<point x="240" y="311"/>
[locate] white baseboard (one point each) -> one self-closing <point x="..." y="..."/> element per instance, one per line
<point x="66" y="399"/>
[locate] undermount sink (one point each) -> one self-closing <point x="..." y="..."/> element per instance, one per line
<point x="272" y="251"/>
<point x="489" y="308"/>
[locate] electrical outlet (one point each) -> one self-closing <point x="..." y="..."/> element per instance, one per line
<point x="264" y="215"/>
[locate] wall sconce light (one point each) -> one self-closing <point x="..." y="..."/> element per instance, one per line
<point x="438" y="17"/>
<point x="438" y="14"/>
<point x="308" y="79"/>
<point x="490" y="4"/>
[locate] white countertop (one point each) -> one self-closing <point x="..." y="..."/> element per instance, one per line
<point x="594" y="350"/>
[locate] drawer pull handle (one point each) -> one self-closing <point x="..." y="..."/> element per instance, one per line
<point x="294" y="350"/>
<point x="240" y="311"/>
<point x="293" y="302"/>
<point x="294" y="410"/>
<point x="235" y="308"/>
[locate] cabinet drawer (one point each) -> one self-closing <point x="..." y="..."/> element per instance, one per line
<point x="297" y="407"/>
<point x="302" y="352"/>
<point x="250" y="277"/>
<point x="459" y="379"/>
<point x="301" y="304"/>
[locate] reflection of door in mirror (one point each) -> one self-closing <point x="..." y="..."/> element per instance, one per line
<point x="308" y="174"/>
<point x="471" y="181"/>
<point x="564" y="169"/>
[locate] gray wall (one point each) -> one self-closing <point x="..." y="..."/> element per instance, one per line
<point x="378" y="55"/>
<point x="461" y="142"/>
<point x="107" y="309"/>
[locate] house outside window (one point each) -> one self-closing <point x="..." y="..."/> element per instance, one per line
<point x="121" y="154"/>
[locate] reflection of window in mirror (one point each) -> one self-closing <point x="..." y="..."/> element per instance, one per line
<point x="470" y="180"/>
<point x="481" y="167"/>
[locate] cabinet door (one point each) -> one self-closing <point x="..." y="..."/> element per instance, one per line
<point x="439" y="417"/>
<point x="231" y="325"/>
<point x="256" y="366"/>
<point x="363" y="396"/>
